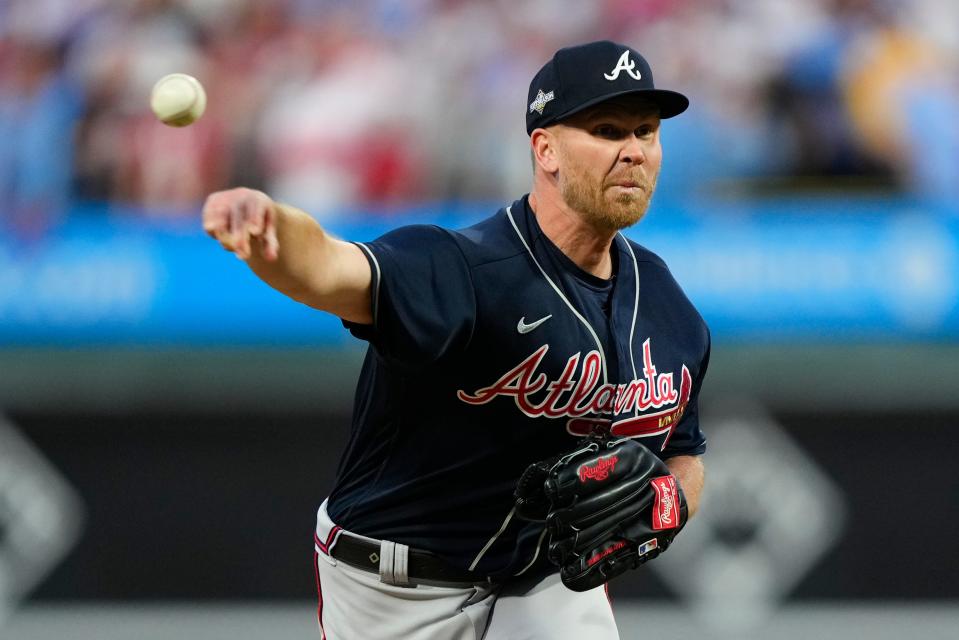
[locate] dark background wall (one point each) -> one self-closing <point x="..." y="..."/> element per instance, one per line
<point x="192" y="506"/>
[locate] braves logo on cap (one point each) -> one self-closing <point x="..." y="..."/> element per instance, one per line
<point x="581" y="76"/>
<point x="624" y="64"/>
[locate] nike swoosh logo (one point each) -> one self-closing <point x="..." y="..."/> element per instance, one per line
<point x="522" y="327"/>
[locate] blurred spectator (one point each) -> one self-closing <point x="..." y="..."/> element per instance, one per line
<point x="931" y="107"/>
<point x="251" y="49"/>
<point x="127" y="156"/>
<point x="808" y="96"/>
<point x="38" y="111"/>
<point x="903" y="98"/>
<point x="343" y="133"/>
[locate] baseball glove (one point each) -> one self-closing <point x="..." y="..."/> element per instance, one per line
<point x="609" y="506"/>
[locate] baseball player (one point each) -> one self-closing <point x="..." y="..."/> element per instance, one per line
<point x="493" y="347"/>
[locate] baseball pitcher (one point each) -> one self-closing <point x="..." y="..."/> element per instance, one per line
<point x="526" y="421"/>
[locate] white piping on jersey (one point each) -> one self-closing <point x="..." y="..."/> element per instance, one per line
<point x="379" y="277"/>
<point x="489" y="544"/>
<point x="589" y="327"/>
<point x="535" y="555"/>
<point x="632" y="327"/>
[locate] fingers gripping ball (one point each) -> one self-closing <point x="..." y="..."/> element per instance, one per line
<point x="178" y="99"/>
<point x="609" y="506"/>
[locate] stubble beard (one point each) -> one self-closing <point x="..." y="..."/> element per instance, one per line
<point x="603" y="209"/>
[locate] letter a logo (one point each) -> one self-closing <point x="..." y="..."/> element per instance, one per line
<point x="624" y="64"/>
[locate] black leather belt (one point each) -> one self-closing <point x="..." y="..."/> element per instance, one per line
<point x="423" y="567"/>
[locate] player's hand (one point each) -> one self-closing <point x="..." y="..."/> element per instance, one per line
<point x="243" y="220"/>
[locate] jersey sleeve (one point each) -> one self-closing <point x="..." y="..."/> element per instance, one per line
<point x="423" y="302"/>
<point x="688" y="438"/>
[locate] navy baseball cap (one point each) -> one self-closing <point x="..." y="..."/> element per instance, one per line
<point x="587" y="74"/>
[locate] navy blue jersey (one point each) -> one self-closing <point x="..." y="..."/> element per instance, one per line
<point x="490" y="350"/>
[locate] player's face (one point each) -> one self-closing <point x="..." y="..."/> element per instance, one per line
<point x="610" y="157"/>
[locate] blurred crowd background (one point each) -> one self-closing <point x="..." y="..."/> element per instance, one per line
<point x="334" y="104"/>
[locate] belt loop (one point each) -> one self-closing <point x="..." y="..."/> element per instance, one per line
<point x="387" y="549"/>
<point x="394" y="563"/>
<point x="401" y="563"/>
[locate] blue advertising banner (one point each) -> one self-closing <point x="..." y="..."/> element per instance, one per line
<point x="774" y="271"/>
<point x="886" y="276"/>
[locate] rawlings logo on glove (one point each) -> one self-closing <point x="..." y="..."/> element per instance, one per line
<point x="664" y="508"/>
<point x="599" y="471"/>
<point x="609" y="506"/>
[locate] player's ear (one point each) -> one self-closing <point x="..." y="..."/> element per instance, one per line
<point x="543" y="145"/>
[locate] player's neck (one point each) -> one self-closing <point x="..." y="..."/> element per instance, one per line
<point x="585" y="245"/>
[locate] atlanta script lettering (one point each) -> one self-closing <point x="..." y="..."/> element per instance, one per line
<point x="585" y="395"/>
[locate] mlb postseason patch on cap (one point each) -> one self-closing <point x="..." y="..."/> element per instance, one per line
<point x="539" y="104"/>
<point x="581" y="76"/>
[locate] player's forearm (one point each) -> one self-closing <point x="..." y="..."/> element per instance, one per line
<point x="289" y="250"/>
<point x="315" y="268"/>
<point x="301" y="268"/>
<point x="691" y="475"/>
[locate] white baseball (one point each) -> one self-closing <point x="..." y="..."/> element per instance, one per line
<point x="178" y="99"/>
